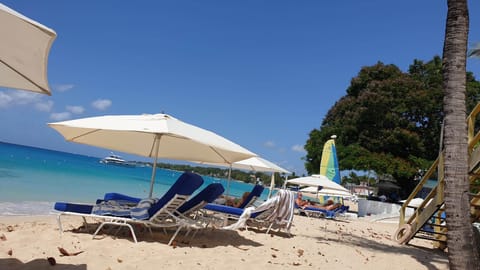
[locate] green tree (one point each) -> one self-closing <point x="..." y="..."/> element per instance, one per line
<point x="354" y="178"/>
<point x="389" y="121"/>
<point x="461" y="254"/>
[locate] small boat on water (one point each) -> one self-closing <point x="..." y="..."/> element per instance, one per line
<point x="113" y="159"/>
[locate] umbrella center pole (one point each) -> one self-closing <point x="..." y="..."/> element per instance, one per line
<point x="154" y="170"/>
<point x="272" y="185"/>
<point x="152" y="181"/>
<point x="229" y="178"/>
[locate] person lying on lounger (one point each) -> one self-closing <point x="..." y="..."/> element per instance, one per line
<point x="329" y="205"/>
<point x="236" y="202"/>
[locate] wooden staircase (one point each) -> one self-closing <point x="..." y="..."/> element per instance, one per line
<point x="428" y="219"/>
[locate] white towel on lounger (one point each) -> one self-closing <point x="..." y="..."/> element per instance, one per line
<point x="283" y="204"/>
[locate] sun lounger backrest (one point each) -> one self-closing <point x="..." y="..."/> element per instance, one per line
<point x="168" y="209"/>
<point x="207" y="195"/>
<point x="185" y="185"/>
<point x="254" y="194"/>
<point x="121" y="197"/>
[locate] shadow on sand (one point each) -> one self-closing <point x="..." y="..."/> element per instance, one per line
<point x="204" y="238"/>
<point x="425" y="256"/>
<point x="37" y="264"/>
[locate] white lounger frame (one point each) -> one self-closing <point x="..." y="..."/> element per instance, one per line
<point x="163" y="218"/>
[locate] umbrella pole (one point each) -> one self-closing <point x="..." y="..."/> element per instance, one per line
<point x="152" y="181"/>
<point x="272" y="184"/>
<point x="229" y="176"/>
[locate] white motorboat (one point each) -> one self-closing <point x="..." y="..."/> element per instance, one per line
<point x="113" y="159"/>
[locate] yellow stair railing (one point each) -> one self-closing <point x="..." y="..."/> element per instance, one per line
<point x="428" y="221"/>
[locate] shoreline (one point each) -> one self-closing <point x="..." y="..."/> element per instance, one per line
<point x="316" y="243"/>
<point x="26" y="208"/>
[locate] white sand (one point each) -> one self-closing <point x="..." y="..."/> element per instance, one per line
<point x="316" y="244"/>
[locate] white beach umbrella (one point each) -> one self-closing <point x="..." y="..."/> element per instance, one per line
<point x="259" y="164"/>
<point x="155" y="136"/>
<point x="317" y="180"/>
<point x="327" y="192"/>
<point x="24" y="48"/>
<point x="256" y="164"/>
<point x="320" y="185"/>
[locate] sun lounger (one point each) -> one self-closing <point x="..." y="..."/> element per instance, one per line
<point x="206" y="195"/>
<point x="230" y="211"/>
<point x="197" y="202"/>
<point x="276" y="212"/>
<point x="120" y="197"/>
<point x="318" y="212"/>
<point x="189" y="209"/>
<point x="161" y="212"/>
<point x="251" y="198"/>
<point x="280" y="215"/>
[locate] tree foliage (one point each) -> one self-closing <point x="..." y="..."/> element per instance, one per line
<point x="389" y="121"/>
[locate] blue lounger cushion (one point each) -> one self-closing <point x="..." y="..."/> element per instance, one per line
<point x="73" y="207"/>
<point x="256" y="192"/>
<point x="236" y="211"/>
<point x="120" y="197"/>
<point x="186" y="184"/>
<point x="208" y="194"/>
<point x="229" y="210"/>
<point x="327" y="213"/>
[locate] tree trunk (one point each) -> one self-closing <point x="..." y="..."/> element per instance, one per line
<point x="461" y="254"/>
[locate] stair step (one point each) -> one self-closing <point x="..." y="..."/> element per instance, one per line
<point x="436" y="225"/>
<point x="429" y="238"/>
<point x="432" y="232"/>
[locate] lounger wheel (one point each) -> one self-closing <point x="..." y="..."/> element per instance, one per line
<point x="403" y="233"/>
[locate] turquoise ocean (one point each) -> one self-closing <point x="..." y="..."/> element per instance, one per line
<point x="33" y="179"/>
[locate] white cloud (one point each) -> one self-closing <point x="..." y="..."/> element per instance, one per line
<point x="63" y="87"/>
<point x="18" y="97"/>
<point x="269" y="144"/>
<point x="5" y="100"/>
<point x="60" y="116"/>
<point x="24" y="97"/>
<point x="76" y="109"/>
<point x="44" y="106"/>
<point x="298" y="148"/>
<point x="102" y="104"/>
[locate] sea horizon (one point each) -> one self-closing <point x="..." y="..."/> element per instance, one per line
<point x="32" y="179"/>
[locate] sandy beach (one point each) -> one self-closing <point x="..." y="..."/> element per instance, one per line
<point x="27" y="241"/>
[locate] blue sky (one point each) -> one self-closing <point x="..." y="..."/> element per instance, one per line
<point x="261" y="73"/>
